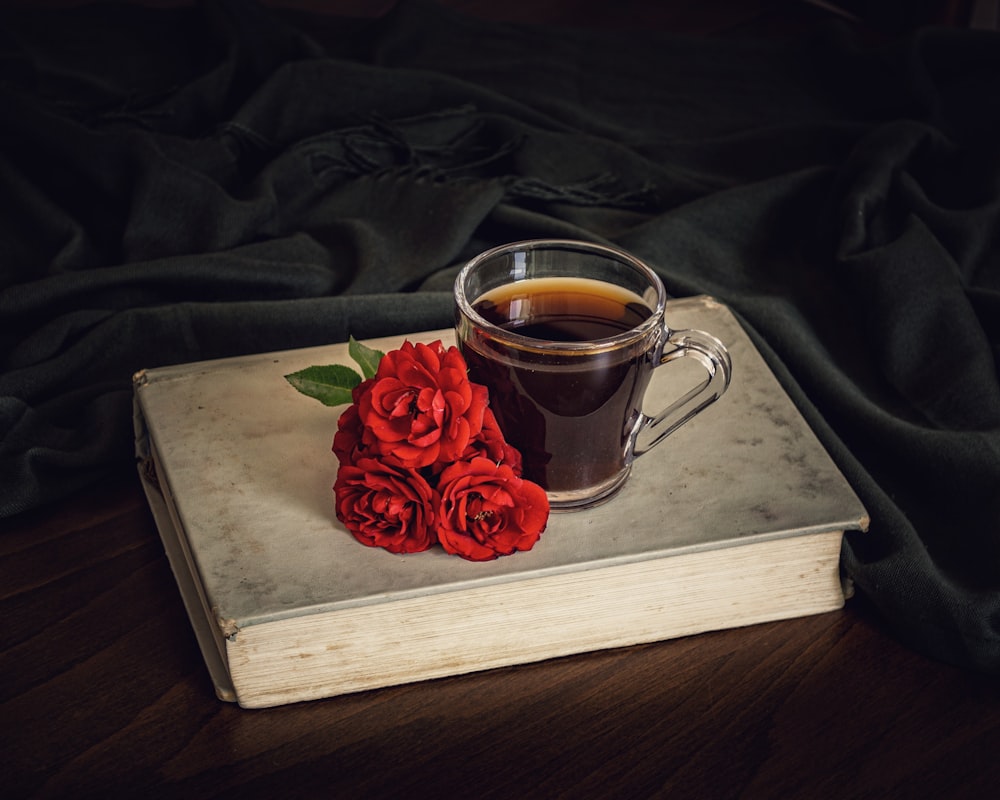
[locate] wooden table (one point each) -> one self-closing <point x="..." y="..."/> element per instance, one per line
<point x="104" y="693"/>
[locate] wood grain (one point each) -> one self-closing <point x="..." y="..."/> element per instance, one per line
<point x="103" y="692"/>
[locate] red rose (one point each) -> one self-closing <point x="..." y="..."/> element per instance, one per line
<point x="347" y="441"/>
<point x="423" y="460"/>
<point x="386" y="506"/>
<point x="352" y="440"/>
<point x="491" y="444"/>
<point x="487" y="511"/>
<point x="421" y="407"/>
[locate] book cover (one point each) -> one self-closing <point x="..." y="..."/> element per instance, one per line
<point x="736" y="518"/>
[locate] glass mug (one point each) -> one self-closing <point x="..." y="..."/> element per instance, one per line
<point x="566" y="335"/>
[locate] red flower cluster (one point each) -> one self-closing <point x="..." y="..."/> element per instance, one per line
<point x="423" y="461"/>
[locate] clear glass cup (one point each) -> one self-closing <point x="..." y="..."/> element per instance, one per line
<point x="566" y="336"/>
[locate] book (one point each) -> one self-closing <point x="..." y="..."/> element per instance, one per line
<point x="735" y="519"/>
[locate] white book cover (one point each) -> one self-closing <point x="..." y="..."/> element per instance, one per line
<point x="239" y="471"/>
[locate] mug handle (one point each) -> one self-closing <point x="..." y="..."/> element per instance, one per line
<point x="713" y="356"/>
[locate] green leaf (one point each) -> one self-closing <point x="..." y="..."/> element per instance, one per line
<point x="331" y="385"/>
<point x="366" y="357"/>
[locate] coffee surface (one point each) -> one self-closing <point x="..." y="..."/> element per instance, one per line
<point x="563" y="309"/>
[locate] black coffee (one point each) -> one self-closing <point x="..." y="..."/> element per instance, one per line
<point x="570" y="414"/>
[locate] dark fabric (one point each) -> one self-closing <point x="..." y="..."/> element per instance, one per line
<point x="195" y="183"/>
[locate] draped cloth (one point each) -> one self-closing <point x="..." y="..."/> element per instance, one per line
<point x="216" y="180"/>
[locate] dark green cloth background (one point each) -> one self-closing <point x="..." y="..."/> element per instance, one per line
<point x="196" y="183"/>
